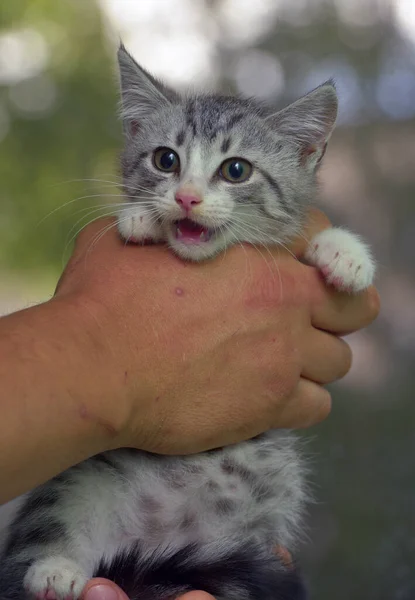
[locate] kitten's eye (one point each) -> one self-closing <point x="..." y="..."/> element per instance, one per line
<point x="167" y="160"/>
<point x="236" y="170"/>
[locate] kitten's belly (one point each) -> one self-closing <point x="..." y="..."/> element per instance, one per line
<point x="253" y="488"/>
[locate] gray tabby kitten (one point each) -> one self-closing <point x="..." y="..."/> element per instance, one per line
<point x="201" y="172"/>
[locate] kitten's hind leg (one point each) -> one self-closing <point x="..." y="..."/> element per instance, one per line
<point x="60" y="532"/>
<point x="344" y="260"/>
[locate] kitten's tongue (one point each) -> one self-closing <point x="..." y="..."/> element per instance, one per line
<point x="191" y="232"/>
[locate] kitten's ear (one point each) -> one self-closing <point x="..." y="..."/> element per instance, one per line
<point x="141" y="93"/>
<point x="309" y="122"/>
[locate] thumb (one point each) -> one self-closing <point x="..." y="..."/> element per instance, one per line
<point x="196" y="595"/>
<point x="103" y="589"/>
<point x="316" y="221"/>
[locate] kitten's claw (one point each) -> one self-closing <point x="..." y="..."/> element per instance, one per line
<point x="343" y="259"/>
<point x="55" y="578"/>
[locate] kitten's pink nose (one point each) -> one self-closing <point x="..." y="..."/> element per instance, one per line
<point x="187" y="200"/>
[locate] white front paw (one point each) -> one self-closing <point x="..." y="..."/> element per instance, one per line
<point x="136" y="225"/>
<point x="55" y="578"/>
<point x="343" y="259"/>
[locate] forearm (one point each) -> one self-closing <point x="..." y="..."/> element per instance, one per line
<point x="51" y="412"/>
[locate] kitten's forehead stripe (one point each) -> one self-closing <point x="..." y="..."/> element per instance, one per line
<point x="191" y="117"/>
<point x="209" y="116"/>
<point x="180" y="138"/>
<point x="235" y="119"/>
<point x="225" y="145"/>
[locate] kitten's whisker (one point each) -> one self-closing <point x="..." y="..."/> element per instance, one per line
<point x="110" y="214"/>
<point x="77" y="200"/>
<point x="67" y="244"/>
<point x="106" y="181"/>
<point x="140" y="188"/>
<point x="113" y="212"/>
<point x="99" y="236"/>
<point x="242" y="231"/>
<point x="288" y="250"/>
<point x="118" y="205"/>
<point x="249" y="227"/>
<point x="238" y="242"/>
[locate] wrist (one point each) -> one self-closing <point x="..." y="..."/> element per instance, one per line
<point x="55" y="409"/>
<point x="102" y="398"/>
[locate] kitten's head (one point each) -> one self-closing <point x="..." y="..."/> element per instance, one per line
<point x="207" y="171"/>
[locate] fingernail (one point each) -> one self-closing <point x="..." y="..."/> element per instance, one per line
<point x="101" y="592"/>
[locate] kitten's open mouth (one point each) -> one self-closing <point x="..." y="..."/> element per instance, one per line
<point x="190" y="232"/>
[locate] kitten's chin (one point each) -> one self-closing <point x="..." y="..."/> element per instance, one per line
<point x="196" y="252"/>
<point x="193" y="241"/>
<point x="188" y="240"/>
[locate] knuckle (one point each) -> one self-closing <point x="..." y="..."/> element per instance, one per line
<point x="320" y="219"/>
<point x="316" y="403"/>
<point x="325" y="405"/>
<point x="322" y="405"/>
<point x="346" y="359"/>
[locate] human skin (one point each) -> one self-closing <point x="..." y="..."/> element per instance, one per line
<point x="139" y="349"/>
<point x="101" y="589"/>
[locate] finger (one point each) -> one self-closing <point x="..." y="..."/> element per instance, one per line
<point x="102" y="589"/>
<point x="343" y="313"/>
<point x="308" y="405"/>
<point x="326" y="357"/>
<point x="196" y="595"/>
<point x="316" y="222"/>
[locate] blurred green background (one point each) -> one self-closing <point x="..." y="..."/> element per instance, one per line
<point x="59" y="139"/>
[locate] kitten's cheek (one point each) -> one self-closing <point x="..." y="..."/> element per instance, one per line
<point x="308" y="405"/>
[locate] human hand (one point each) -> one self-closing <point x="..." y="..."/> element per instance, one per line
<point x="183" y="357"/>
<point x="103" y="589"/>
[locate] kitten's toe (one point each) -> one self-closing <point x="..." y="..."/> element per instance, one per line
<point x="138" y="227"/>
<point x="344" y="260"/>
<point x="55" y="578"/>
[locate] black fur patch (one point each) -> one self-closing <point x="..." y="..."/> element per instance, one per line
<point x="44" y="497"/>
<point x="11" y="579"/>
<point x="48" y="531"/>
<point x="251" y="572"/>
